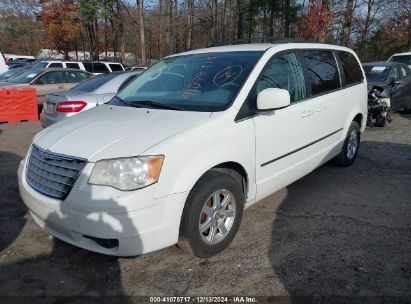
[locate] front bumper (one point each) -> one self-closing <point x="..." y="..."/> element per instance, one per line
<point x="135" y="222"/>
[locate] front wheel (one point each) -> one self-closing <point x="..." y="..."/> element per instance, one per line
<point x="349" y="150"/>
<point x="212" y="214"/>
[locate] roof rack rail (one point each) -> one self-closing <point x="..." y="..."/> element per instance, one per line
<point x="272" y="40"/>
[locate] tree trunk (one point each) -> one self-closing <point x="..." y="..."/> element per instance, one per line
<point x="141" y="25"/>
<point x="364" y="31"/>
<point x="169" y="12"/>
<point x="240" y="25"/>
<point x="161" y="37"/>
<point x="214" y="8"/>
<point x="271" y="25"/>
<point x="287" y="16"/>
<point x="96" y="39"/>
<point x="345" y="36"/>
<point x="190" y="16"/>
<point x="322" y="23"/>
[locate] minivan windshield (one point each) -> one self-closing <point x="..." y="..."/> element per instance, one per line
<point x="376" y="73"/>
<point x="196" y="82"/>
<point x="26" y="77"/>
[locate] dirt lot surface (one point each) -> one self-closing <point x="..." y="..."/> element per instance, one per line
<point x="336" y="232"/>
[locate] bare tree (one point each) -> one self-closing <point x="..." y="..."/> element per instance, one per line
<point x="140" y="7"/>
<point x="190" y="16"/>
<point x="348" y="16"/>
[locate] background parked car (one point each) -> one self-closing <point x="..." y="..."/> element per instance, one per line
<point x="404" y="58"/>
<point x="19" y="64"/>
<point x="394" y="79"/>
<point x="44" y="64"/>
<point x="102" y="67"/>
<point x="47" y="81"/>
<point x="3" y="63"/>
<point x="6" y="76"/>
<point x="86" y="95"/>
<point x="135" y="68"/>
<point x="19" y="57"/>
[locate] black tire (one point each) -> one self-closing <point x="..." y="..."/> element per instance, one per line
<point x="380" y="121"/>
<point x="191" y="239"/>
<point x="343" y="159"/>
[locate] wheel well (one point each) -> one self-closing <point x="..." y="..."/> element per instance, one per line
<point x="236" y="171"/>
<point x="358" y="119"/>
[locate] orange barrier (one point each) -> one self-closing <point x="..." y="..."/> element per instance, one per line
<point x="18" y="104"/>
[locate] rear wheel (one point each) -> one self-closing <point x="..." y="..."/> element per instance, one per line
<point x="349" y="150"/>
<point x="212" y="214"/>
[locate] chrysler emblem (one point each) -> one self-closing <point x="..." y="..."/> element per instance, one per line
<point x="45" y="156"/>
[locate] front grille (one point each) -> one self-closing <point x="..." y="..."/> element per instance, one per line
<point x="52" y="174"/>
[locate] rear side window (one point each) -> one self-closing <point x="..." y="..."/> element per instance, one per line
<point x="405" y="59"/>
<point x="72" y="65"/>
<point x="351" y="68"/>
<point x="56" y="65"/>
<point x="395" y="75"/>
<point x="93" y="83"/>
<point x="96" y="67"/>
<point x="74" y="76"/>
<point x="403" y="72"/>
<point x="115" y="67"/>
<point x="53" y="77"/>
<point x="322" y="71"/>
<point x="283" y="72"/>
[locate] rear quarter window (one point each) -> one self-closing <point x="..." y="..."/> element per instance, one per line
<point x="351" y="68"/>
<point x="116" y="67"/>
<point x="322" y="71"/>
<point x="55" y="65"/>
<point x="72" y="65"/>
<point x="96" y="67"/>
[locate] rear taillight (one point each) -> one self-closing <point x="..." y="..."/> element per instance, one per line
<point x="70" y="106"/>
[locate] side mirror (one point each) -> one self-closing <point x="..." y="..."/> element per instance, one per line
<point x="273" y="98"/>
<point x="39" y="81"/>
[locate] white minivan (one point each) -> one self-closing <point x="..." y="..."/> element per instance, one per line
<point x="178" y="154"/>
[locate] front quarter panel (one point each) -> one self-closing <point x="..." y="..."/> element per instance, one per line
<point x="192" y="153"/>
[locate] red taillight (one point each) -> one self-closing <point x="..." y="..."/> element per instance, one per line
<point x="70" y="106"/>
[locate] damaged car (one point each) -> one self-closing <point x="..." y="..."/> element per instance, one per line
<point x="389" y="90"/>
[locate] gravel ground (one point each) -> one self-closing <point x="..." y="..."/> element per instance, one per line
<point x="338" y="233"/>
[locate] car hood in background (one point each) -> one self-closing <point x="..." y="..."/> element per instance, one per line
<point x="113" y="131"/>
<point x="4" y="84"/>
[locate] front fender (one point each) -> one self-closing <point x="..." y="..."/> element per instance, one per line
<point x="192" y="153"/>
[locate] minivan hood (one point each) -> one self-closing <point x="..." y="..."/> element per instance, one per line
<point x="113" y="131"/>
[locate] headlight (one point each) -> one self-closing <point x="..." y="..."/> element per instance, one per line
<point x="127" y="173"/>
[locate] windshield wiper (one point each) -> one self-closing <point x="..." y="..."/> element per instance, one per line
<point x="149" y="104"/>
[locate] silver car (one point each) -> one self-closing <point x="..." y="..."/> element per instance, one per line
<point x="86" y="95"/>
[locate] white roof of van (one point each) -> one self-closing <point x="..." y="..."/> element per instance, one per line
<point x="261" y="47"/>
